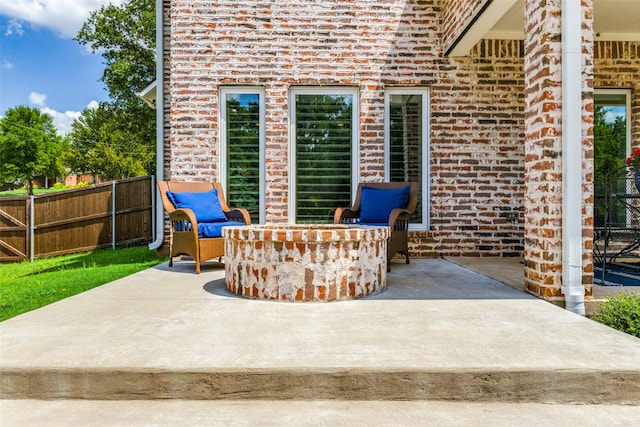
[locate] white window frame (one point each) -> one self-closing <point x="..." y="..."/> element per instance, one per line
<point x="355" y="132"/>
<point x="425" y="222"/>
<point x="222" y="160"/>
<point x="627" y="95"/>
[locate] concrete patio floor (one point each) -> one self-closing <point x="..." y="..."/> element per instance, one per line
<point x="443" y="345"/>
<point x="510" y="271"/>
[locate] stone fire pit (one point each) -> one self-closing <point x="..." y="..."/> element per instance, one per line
<point x="305" y="262"/>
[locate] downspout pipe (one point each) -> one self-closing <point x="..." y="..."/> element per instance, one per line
<point x="159" y="213"/>
<point x="572" y="195"/>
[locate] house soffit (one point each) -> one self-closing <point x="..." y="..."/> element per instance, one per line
<point x="504" y="19"/>
<point x="148" y="94"/>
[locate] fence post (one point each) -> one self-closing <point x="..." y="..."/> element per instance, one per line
<point x="31" y="227"/>
<point x="113" y="214"/>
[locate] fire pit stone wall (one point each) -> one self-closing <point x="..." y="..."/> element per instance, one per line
<point x="305" y="262"/>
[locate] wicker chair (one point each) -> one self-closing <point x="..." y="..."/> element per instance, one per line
<point x="185" y="227"/>
<point x="398" y="219"/>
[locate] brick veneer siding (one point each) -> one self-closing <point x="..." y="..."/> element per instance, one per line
<point x="457" y="16"/>
<point x="543" y="148"/>
<point x="617" y="65"/>
<point x="477" y="104"/>
<point x="477" y="152"/>
<point x="477" y="115"/>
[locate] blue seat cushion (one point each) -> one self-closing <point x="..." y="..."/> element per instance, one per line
<point x="371" y="224"/>
<point x="205" y="205"/>
<point x="376" y="204"/>
<point x="214" y="229"/>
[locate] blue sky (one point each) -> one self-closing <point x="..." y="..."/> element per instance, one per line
<point x="615" y="111"/>
<point x="41" y="65"/>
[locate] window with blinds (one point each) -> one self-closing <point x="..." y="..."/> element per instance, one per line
<point x="407" y="141"/>
<point x="324" y="141"/>
<point x="241" y="119"/>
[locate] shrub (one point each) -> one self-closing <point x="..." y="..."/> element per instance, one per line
<point x="621" y="312"/>
<point x="59" y="186"/>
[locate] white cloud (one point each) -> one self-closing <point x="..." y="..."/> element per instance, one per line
<point x="6" y="64"/>
<point x="93" y="105"/>
<point x="62" y="121"/>
<point x="65" y="17"/>
<point x="613" y="113"/>
<point x="14" y="27"/>
<point x="38" y="99"/>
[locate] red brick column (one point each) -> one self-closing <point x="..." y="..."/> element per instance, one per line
<point x="543" y="147"/>
<point x="588" y="79"/>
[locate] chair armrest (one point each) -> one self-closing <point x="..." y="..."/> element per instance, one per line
<point x="398" y="214"/>
<point x="345" y="214"/>
<point x="239" y="214"/>
<point x="184" y="215"/>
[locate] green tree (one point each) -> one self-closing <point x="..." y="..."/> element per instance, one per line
<point x="126" y="38"/>
<point x="609" y="144"/>
<point x="118" y="139"/>
<point x="29" y="146"/>
<point x="609" y="165"/>
<point x="101" y="145"/>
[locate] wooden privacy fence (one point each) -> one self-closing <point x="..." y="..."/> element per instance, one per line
<point x="113" y="214"/>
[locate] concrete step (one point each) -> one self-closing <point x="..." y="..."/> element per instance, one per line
<point x="588" y="386"/>
<point x="267" y="413"/>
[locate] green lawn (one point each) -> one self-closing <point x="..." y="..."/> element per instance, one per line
<point x="23" y="192"/>
<point x="28" y="285"/>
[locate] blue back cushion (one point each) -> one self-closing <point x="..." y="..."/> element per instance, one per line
<point x="205" y="205"/>
<point x="376" y="204"/>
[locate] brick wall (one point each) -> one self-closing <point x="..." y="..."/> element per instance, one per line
<point x="477" y="121"/>
<point x="477" y="151"/>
